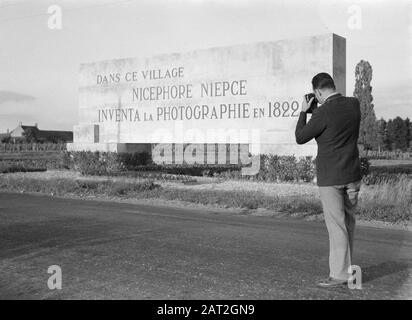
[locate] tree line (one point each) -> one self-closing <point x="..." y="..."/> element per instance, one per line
<point x="391" y="135"/>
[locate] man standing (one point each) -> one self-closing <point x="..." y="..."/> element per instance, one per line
<point x="335" y="126"/>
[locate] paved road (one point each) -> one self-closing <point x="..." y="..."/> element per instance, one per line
<point x="118" y="250"/>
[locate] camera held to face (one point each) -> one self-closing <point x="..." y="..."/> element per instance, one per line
<point x="314" y="103"/>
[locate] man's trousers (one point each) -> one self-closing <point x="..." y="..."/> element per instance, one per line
<point x="339" y="208"/>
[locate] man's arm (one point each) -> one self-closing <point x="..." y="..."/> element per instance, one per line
<point x="307" y="131"/>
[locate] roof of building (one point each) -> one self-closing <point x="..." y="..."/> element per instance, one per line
<point x="45" y="134"/>
<point x="48" y="134"/>
<point x="29" y="127"/>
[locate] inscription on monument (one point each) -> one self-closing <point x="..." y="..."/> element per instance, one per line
<point x="221" y="95"/>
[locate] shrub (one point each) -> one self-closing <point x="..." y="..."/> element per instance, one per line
<point x="20" y="166"/>
<point x="7" y="146"/>
<point x="364" y="166"/>
<point x="34" y="159"/>
<point x="306" y="169"/>
<point x="87" y="162"/>
<point x="104" y="163"/>
<point x="112" y="162"/>
<point x="273" y="168"/>
<point x="28" y="164"/>
<point x="66" y="160"/>
<point x="209" y="170"/>
<point x="285" y="169"/>
<point x="5" y="140"/>
<point x="133" y="160"/>
<point x="97" y="163"/>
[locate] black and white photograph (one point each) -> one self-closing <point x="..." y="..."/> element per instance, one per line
<point x="203" y="156"/>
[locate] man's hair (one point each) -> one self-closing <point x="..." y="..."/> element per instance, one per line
<point x="323" y="80"/>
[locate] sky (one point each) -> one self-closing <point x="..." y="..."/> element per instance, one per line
<point x="39" y="66"/>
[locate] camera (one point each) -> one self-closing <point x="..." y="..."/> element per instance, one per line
<point x="314" y="103"/>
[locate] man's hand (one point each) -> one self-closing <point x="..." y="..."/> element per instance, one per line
<point x="306" y="105"/>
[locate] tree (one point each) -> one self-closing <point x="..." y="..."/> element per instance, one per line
<point x="5" y="139"/>
<point x="408" y="125"/>
<point x="30" y="135"/>
<point x="401" y="134"/>
<point x="391" y="134"/>
<point x="397" y="130"/>
<point x="382" y="134"/>
<point x="363" y="91"/>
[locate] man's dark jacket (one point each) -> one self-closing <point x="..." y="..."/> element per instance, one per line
<point x="335" y="126"/>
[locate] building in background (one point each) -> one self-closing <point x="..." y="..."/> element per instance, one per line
<point x="34" y="134"/>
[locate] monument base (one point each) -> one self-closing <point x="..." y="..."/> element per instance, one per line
<point x="216" y="153"/>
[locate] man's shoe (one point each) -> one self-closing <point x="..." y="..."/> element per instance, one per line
<point x="332" y="283"/>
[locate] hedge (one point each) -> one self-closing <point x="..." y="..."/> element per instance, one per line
<point x="18" y="147"/>
<point x="272" y="167"/>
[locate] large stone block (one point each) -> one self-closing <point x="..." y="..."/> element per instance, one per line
<point x="244" y="94"/>
<point x="86" y="133"/>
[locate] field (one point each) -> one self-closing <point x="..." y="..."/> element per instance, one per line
<point x="387" y="201"/>
<point x="386" y="194"/>
<point x="30" y="161"/>
<point x="391" y="163"/>
<point x="29" y="155"/>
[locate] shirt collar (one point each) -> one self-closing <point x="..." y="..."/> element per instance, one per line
<point x="331" y="95"/>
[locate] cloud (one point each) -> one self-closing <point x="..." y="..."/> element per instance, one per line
<point x="14" y="96"/>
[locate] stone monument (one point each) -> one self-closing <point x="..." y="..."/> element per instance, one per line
<point x="244" y="96"/>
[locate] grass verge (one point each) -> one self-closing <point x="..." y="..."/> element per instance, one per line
<point x="79" y="187"/>
<point x="389" y="201"/>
